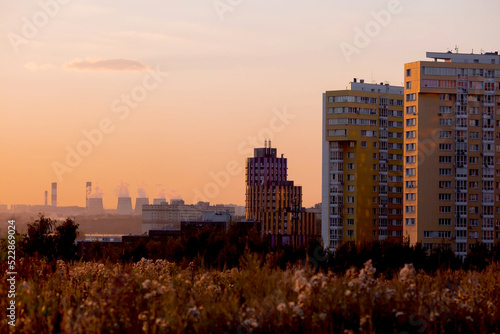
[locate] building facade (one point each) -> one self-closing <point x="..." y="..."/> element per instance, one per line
<point x="362" y="180"/>
<point x="167" y="216"/>
<point x="276" y="202"/>
<point x="452" y="150"/>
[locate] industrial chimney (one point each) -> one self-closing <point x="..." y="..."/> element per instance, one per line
<point x="54" y="194"/>
<point x="46" y="197"/>
<point x="88" y="191"/>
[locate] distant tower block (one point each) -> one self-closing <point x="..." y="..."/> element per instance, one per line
<point x="158" y="201"/>
<point x="88" y="191"/>
<point x="139" y="202"/>
<point x="46" y="197"/>
<point x="95" y="206"/>
<point x="124" y="206"/>
<point x="54" y="194"/>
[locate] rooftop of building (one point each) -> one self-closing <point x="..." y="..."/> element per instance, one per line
<point x="471" y="58"/>
<point x="361" y="85"/>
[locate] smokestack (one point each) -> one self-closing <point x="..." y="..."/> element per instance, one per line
<point x="139" y="202"/>
<point x="46" y="197"/>
<point x="95" y="206"/>
<point x="54" y="194"/>
<point x="124" y="206"/>
<point x="88" y="191"/>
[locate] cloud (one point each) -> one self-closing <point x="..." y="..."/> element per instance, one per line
<point x="105" y="65"/>
<point x="32" y="66"/>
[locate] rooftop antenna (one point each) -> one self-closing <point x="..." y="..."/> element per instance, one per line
<point x="265" y="143"/>
<point x="456" y="48"/>
<point x="269" y="143"/>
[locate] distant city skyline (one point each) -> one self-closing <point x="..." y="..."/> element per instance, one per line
<point x="173" y="97"/>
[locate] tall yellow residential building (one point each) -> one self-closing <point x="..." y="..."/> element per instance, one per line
<point x="362" y="164"/>
<point x="452" y="150"/>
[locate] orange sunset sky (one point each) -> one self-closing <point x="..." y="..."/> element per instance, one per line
<point x="70" y="67"/>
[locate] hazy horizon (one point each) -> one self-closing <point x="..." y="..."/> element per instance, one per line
<point x="182" y="93"/>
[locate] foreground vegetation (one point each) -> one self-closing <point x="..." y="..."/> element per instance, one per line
<point x="235" y="282"/>
<point x="163" y="297"/>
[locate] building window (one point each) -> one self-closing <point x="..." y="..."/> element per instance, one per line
<point x="411" y="134"/>
<point x="411" y="171"/>
<point x="445" y="197"/>
<point x="474" y="148"/>
<point x="410" y="209"/>
<point x="411" y="122"/>
<point x="445" y="209"/>
<point x="363" y="144"/>
<point x="411" y="110"/>
<point x="444" y="184"/>
<point x="445" y="159"/>
<point x="350" y="221"/>
<point x="445" y="171"/>
<point x="411" y="97"/>
<point x="410" y="196"/>
<point x="444" y="221"/>
<point x="474" y="122"/>
<point x="445" y="147"/>
<point x="350" y="233"/>
<point x="350" y="166"/>
<point x="408" y="85"/>
<point x="411" y="147"/>
<point x="350" y="188"/>
<point x="410" y="221"/>
<point x="410" y="159"/>
<point x="350" y="177"/>
<point x="411" y="184"/>
<point x="445" y="121"/>
<point x="473" y="222"/>
<point x="444" y="134"/>
<point x="350" y="155"/>
<point x="408" y="73"/>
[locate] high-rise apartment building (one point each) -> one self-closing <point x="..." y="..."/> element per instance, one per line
<point x="362" y="192"/>
<point x="452" y="150"/>
<point x="275" y="201"/>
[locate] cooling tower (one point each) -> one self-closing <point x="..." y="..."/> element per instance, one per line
<point x="139" y="202"/>
<point x="158" y="201"/>
<point x="54" y="194"/>
<point x="124" y="206"/>
<point x="95" y="206"/>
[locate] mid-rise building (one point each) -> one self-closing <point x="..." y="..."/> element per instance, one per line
<point x="452" y="150"/>
<point x="362" y="180"/>
<point x="167" y="216"/>
<point x="276" y="202"/>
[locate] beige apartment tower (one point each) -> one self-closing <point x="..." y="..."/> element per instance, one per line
<point x="452" y="150"/>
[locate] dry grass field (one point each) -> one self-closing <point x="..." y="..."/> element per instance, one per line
<point x="162" y="297"/>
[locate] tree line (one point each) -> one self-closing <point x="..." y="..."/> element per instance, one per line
<point x="55" y="240"/>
